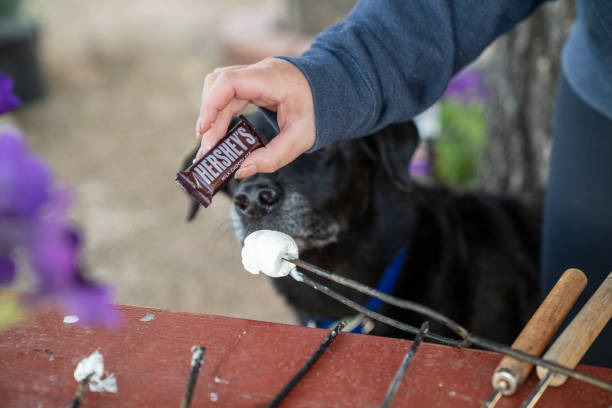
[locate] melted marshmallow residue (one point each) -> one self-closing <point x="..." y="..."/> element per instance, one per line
<point x="147" y="317"/>
<point x="94" y="365"/>
<point x="263" y="252"/>
<point x="71" y="319"/>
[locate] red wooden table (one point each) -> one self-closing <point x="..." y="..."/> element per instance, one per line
<point x="246" y="363"/>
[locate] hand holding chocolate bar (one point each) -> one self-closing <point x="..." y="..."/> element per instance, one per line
<point x="273" y="83"/>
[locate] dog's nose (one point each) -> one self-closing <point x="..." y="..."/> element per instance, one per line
<point x="256" y="199"/>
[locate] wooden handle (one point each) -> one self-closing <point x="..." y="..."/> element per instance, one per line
<point x="578" y="336"/>
<point x="539" y="330"/>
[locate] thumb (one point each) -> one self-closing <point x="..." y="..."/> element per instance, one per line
<point x="288" y="145"/>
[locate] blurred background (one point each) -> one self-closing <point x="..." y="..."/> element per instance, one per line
<point x="111" y="92"/>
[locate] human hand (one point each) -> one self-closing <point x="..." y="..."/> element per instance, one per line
<point x="272" y="83"/>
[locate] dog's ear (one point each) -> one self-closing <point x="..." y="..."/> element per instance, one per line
<point x="393" y="147"/>
<point x="194" y="206"/>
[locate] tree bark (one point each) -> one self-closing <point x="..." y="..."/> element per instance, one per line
<point x="522" y="76"/>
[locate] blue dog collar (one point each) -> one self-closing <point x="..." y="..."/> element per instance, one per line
<point x="360" y="323"/>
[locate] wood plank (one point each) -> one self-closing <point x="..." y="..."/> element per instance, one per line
<point x="246" y="363"/>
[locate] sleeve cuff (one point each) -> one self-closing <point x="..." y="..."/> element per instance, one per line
<point x="333" y="91"/>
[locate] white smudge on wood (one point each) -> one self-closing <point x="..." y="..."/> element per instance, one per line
<point x="71" y="319"/>
<point x="147" y="317"/>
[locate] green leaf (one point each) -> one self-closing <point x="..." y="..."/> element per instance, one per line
<point x="458" y="150"/>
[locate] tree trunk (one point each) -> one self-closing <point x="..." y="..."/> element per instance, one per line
<point x="522" y="75"/>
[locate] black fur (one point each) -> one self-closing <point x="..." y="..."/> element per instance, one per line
<point x="351" y="206"/>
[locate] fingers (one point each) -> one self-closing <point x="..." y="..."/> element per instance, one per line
<point x="272" y="83"/>
<point x="294" y="140"/>
<point x="219" y="127"/>
<point x="226" y="91"/>
<point x="222" y="87"/>
<point x="208" y="82"/>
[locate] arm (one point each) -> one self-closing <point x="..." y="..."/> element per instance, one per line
<point x="388" y="61"/>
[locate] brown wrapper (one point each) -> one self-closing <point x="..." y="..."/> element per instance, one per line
<point x="208" y="175"/>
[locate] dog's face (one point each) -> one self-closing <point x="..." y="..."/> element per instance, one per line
<point x="303" y="200"/>
<point x="318" y="197"/>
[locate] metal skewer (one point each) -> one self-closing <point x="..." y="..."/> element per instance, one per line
<point x="468" y="339"/>
<point x="511" y="373"/>
<point x="575" y="340"/>
<point x="313" y="359"/>
<point x="197" y="358"/>
<point x="371" y="314"/>
<point x="397" y="380"/>
<point x="81" y="390"/>
<point x="535" y="394"/>
<point x="392" y="300"/>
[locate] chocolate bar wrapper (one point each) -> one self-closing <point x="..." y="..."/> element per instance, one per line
<point x="207" y="176"/>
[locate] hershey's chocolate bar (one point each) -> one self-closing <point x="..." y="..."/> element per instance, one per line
<point x="208" y="175"/>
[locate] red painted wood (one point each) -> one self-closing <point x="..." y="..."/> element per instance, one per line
<point x="251" y="361"/>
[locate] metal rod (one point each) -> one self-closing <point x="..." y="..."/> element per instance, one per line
<point x="468" y="339"/>
<point x="81" y="390"/>
<point x="537" y="392"/>
<point x="551" y="365"/>
<point x="392" y="300"/>
<point x="313" y="359"/>
<point x="197" y="358"/>
<point x="397" y="380"/>
<point x="370" y="313"/>
<point x="493" y="398"/>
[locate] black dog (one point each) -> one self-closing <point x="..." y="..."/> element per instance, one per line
<point x="351" y="207"/>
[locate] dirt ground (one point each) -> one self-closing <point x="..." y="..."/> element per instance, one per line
<point x="124" y="81"/>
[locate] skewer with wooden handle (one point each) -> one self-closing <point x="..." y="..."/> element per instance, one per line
<point x="511" y="373"/>
<point x="575" y="340"/>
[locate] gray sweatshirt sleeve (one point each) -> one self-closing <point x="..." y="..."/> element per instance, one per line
<point x="392" y="59"/>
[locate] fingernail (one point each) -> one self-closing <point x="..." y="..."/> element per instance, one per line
<point x="198" y="131"/>
<point x="246" y="171"/>
<point x="198" y="154"/>
<point x="206" y="147"/>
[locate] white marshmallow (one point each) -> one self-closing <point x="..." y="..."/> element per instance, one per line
<point x="94" y="364"/>
<point x="263" y="250"/>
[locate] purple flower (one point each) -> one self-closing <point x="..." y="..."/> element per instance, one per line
<point x="33" y="220"/>
<point x="420" y="167"/>
<point x="467" y="86"/>
<point x="8" y="100"/>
